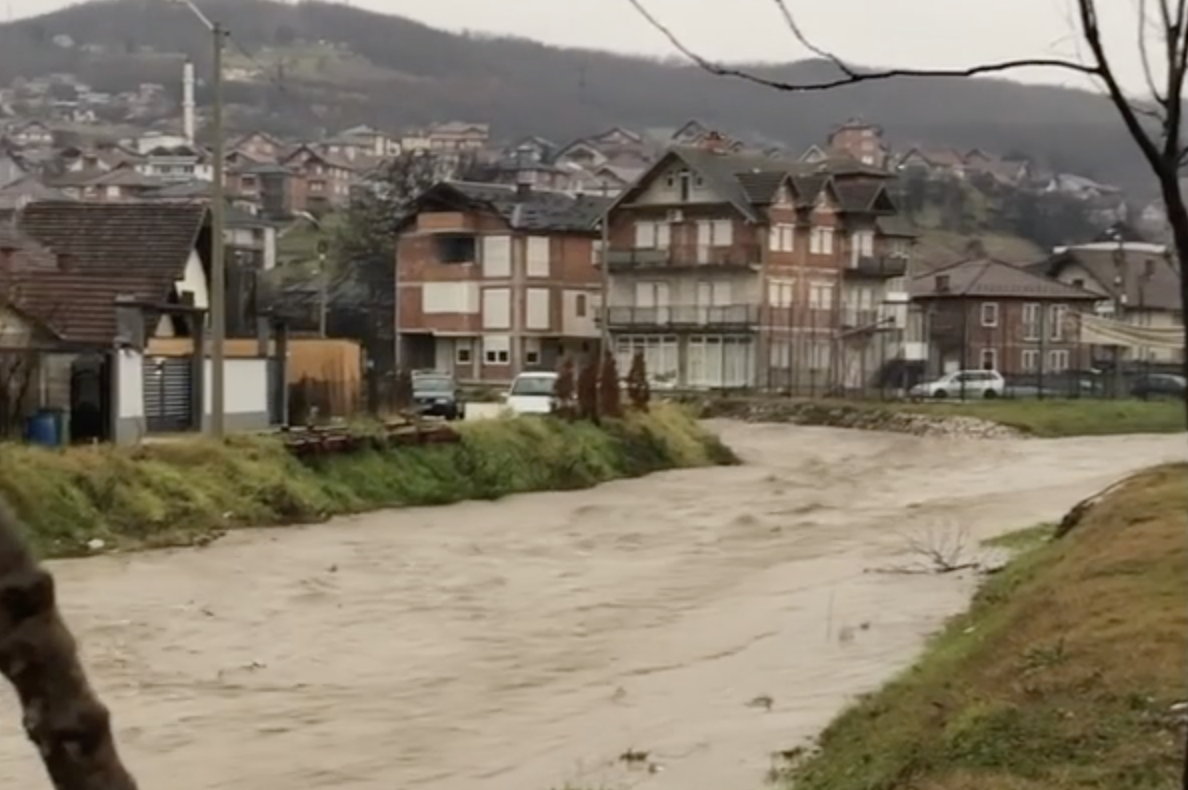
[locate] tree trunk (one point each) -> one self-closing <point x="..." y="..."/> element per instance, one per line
<point x="62" y="715"/>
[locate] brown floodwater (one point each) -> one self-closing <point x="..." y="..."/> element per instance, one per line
<point x="707" y="617"/>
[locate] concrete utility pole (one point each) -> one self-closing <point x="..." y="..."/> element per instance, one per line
<point x="218" y="265"/>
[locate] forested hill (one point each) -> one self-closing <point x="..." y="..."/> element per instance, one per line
<point x="357" y="66"/>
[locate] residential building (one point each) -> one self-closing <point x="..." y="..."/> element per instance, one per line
<point x="458" y="136"/>
<point x="32" y="134"/>
<point x="259" y="146"/>
<point x="177" y="164"/>
<point x="736" y="271"/>
<point x="495" y="279"/>
<point x="12" y="168"/>
<point x="324" y="180"/>
<point x="1135" y="282"/>
<point x="861" y="140"/>
<point x="986" y="314"/>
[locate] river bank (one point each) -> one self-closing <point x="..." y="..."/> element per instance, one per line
<point x="981" y="419"/>
<point x="1066" y="672"/>
<point x="187" y="492"/>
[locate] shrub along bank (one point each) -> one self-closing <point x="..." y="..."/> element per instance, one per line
<point x="186" y="492"/>
<point x="1067" y="672"/>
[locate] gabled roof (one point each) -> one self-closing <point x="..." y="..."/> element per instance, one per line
<point x="103" y="251"/>
<point x="862" y="197"/>
<point x="315" y="153"/>
<point x="989" y="278"/>
<point x="538" y="210"/>
<point x="1149" y="277"/>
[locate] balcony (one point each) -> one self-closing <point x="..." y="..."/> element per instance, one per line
<point x="685" y="256"/>
<point x="859" y="318"/>
<point x="741" y="316"/>
<point x="879" y="267"/>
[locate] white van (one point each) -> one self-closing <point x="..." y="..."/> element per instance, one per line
<point x="531" y="393"/>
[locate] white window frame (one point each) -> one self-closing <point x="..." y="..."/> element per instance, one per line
<point x="782" y="238"/>
<point x="821" y="241"/>
<point x="989" y="317"/>
<point x="992" y="353"/>
<point x="1030" y="360"/>
<point x="1058" y="360"/>
<point x="1056" y="315"/>
<point x="1032" y="321"/>
<point x="461" y="351"/>
<point x="497" y="356"/>
<point x="821" y="296"/>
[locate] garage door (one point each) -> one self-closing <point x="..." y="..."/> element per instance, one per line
<point x="168" y="394"/>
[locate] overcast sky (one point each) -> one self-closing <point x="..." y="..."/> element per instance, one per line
<point x="925" y="33"/>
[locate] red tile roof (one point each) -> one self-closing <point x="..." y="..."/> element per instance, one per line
<point x="102" y="251"/>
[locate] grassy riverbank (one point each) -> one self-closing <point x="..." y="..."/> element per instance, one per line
<point x="1040" y="418"/>
<point x="185" y="492"/>
<point x="1062" y="675"/>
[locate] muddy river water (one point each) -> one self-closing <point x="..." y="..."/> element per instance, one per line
<point x="707" y="617"/>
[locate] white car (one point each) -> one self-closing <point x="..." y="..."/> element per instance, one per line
<point x="962" y="383"/>
<point x="531" y="393"/>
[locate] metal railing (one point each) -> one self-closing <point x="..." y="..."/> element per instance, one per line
<point x="685" y="255"/>
<point x="740" y="315"/>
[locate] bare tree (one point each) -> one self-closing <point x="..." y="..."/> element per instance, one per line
<point x="1156" y="125"/>
<point x="62" y="715"/>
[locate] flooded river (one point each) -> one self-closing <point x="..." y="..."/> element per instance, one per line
<point x="706" y="617"/>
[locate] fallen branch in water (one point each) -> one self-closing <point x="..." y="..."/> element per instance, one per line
<point x="62" y="715"/>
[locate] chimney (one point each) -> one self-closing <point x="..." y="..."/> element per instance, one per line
<point x="715" y="142"/>
<point x="188" y="101"/>
<point x="942" y="283"/>
<point x="523" y="183"/>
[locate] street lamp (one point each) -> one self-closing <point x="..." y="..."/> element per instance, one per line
<point x="218" y="267"/>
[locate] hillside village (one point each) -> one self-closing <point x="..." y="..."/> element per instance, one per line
<point x="843" y="266"/>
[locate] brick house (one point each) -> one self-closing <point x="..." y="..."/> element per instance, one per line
<point x="987" y="314"/>
<point x="734" y="271"/>
<point x="495" y="279"/>
<point x="861" y="140"/>
<point x="322" y="182"/>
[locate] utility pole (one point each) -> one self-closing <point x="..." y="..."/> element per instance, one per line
<point x="218" y="263"/>
<point x="604" y="263"/>
<point x="323" y="288"/>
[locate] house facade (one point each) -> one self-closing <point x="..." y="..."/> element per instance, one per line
<point x="494" y="279"/>
<point x="323" y="181"/>
<point x="1136" y="284"/>
<point x="985" y="314"/>
<point x="740" y="271"/>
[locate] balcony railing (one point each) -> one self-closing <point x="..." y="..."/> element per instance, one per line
<point x="677" y="316"/>
<point x="684" y="255"/>
<point x="859" y="317"/>
<point x="882" y="266"/>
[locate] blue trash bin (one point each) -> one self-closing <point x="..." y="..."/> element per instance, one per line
<point x="44" y="428"/>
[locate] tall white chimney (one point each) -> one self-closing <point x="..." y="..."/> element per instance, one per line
<point x="188" y="101"/>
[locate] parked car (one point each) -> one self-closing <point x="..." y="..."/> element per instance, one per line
<point x="962" y="383"/>
<point x="532" y="393"/>
<point x="436" y="395"/>
<point x="1159" y="385"/>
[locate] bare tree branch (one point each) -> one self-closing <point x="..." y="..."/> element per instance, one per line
<point x="849" y="76"/>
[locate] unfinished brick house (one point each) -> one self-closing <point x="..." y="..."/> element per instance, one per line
<point x="495" y="279"/>
<point x="985" y="314"/>
<point x="736" y="271"/>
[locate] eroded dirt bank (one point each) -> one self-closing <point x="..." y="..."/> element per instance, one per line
<point x="525" y="644"/>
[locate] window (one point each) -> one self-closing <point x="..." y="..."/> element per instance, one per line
<point x="821" y="241"/>
<point x="462" y="355"/>
<point x="821" y="296"/>
<point x="596" y="252"/>
<point x="1078" y="283"/>
<point x="990" y="314"/>
<point x="863" y="242"/>
<point x="1056" y="315"/>
<point x="1030" y="360"/>
<point x="1031" y="321"/>
<point x="452" y="248"/>
<point x="779" y="293"/>
<point x="531" y="357"/>
<point x="782" y="238"/>
<point x="1058" y="361"/>
<point x="580" y="306"/>
<point x="497" y="350"/>
<point x="989" y="358"/>
<point x="652" y="235"/>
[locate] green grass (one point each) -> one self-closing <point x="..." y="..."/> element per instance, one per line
<point x="1061" y="675"/>
<point x="1040" y="418"/>
<point x="1022" y="539"/>
<point x="185" y="492"/>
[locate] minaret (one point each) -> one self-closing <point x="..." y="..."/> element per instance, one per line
<point x="188" y="101"/>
